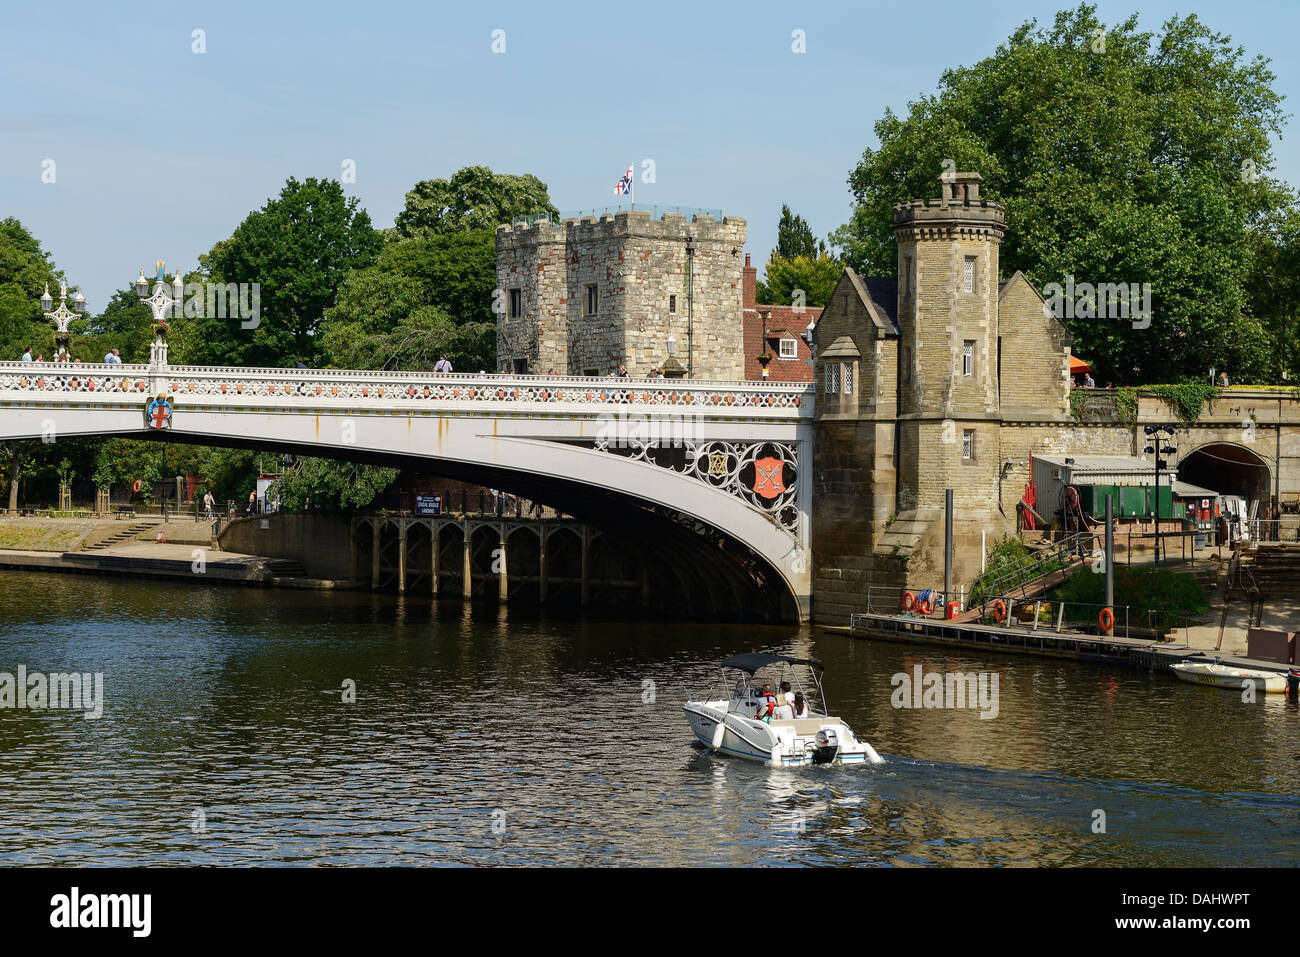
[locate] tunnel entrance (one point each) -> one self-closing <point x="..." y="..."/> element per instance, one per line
<point x="1229" y="470"/>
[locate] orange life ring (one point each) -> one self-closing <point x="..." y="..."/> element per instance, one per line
<point x="925" y="606"/>
<point x="909" y="601"/>
<point x="999" y="610"/>
<point x="1106" y="619"/>
<point x="136" y="486"/>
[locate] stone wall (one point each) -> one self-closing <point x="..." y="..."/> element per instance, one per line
<point x="320" y="542"/>
<point x="643" y="279"/>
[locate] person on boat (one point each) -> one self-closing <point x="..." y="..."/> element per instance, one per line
<point x="786" y="694"/>
<point x="800" y="705"/>
<point x="784" y="711"/>
<point x="766" y="704"/>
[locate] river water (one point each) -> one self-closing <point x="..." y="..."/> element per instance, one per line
<point x="480" y="738"/>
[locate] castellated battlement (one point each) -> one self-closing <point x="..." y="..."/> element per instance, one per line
<point x="622" y="225"/>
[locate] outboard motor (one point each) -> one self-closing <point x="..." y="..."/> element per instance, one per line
<point x="828" y="746"/>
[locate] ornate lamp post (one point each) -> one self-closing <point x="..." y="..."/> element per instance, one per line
<point x="164" y="304"/>
<point x="62" y="316"/>
<point x="808" y="338"/>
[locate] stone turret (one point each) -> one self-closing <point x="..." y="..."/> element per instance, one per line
<point x="949" y="407"/>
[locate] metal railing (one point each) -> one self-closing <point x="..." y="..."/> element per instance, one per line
<point x="1005" y="580"/>
<point x="655" y="210"/>
<point x="1033" y="613"/>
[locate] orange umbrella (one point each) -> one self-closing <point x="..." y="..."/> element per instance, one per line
<point x="1078" y="366"/>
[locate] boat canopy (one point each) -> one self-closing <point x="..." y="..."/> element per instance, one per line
<point x="751" y="661"/>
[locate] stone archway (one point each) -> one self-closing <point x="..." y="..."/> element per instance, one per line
<point x="1229" y="469"/>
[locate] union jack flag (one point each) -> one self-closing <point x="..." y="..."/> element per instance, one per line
<point x="625" y="184"/>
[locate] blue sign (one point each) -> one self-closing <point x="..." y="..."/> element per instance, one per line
<point x="428" y="505"/>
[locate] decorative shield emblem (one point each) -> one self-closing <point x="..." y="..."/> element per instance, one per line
<point x="158" y="414"/>
<point x="768" y="477"/>
<point x="718" y="463"/>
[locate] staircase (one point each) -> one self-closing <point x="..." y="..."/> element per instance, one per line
<point x="285" y="568"/>
<point x="117" y="538"/>
<point x="1275" y="567"/>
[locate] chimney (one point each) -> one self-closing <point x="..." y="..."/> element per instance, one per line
<point x="748" y="285"/>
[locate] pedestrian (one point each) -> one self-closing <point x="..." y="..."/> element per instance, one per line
<point x="39" y="358"/>
<point x="1088" y="382"/>
<point x="622" y="371"/>
<point x="27" y="354"/>
<point x="1223" y="379"/>
<point x="208" y="502"/>
<point x="252" y="502"/>
<point x="301" y="364"/>
<point x="108" y="357"/>
<point x="442" y="365"/>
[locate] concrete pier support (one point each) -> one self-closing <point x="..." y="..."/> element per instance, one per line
<point x="434" y="539"/>
<point x="467" y="586"/>
<point x="401" y="559"/>
<point x="541" y="565"/>
<point x="586" y="567"/>
<point x="503" y="580"/>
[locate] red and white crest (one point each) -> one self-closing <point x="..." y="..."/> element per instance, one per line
<point x="768" y="478"/>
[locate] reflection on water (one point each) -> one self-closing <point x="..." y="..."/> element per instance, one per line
<point x="226" y="739"/>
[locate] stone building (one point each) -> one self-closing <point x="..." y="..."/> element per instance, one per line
<point x="943" y="378"/>
<point x="585" y="296"/>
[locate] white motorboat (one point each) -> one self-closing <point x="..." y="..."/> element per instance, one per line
<point x="732" y="726"/>
<point x="1226" y="676"/>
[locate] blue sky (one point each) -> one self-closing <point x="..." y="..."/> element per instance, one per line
<point x="160" y="152"/>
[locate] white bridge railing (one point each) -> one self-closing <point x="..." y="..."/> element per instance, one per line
<point x="312" y="386"/>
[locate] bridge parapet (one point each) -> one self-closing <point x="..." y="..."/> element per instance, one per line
<point x="311" y="387"/>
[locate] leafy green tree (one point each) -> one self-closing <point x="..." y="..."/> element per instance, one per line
<point x="25" y="269"/>
<point x="422" y="299"/>
<point x="298" y="248"/>
<point x="330" y="484"/>
<point x="816" y="277"/>
<point x="1121" y="157"/>
<point x="794" y="238"/>
<point x="1274" y="289"/>
<point x="475" y="198"/>
<point x="125" y="323"/>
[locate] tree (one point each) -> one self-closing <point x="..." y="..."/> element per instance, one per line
<point x="125" y="323"/>
<point x="1274" y="288"/>
<point x="1120" y="157"/>
<point x="422" y="299"/>
<point x="474" y="198"/>
<point x="298" y="249"/>
<point x="794" y="238"/>
<point x="25" y="269"/>
<point x="330" y="484"/>
<point x="786" y="278"/>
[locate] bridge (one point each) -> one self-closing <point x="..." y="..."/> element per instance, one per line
<point x="717" y="472"/>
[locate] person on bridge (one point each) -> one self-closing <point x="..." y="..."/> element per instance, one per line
<point x="442" y="365"/>
<point x="27" y="354"/>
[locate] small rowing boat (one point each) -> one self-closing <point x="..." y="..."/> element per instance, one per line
<point x="1228" y="676"/>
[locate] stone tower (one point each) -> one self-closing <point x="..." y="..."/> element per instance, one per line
<point x="586" y="296"/>
<point x="949" y="349"/>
